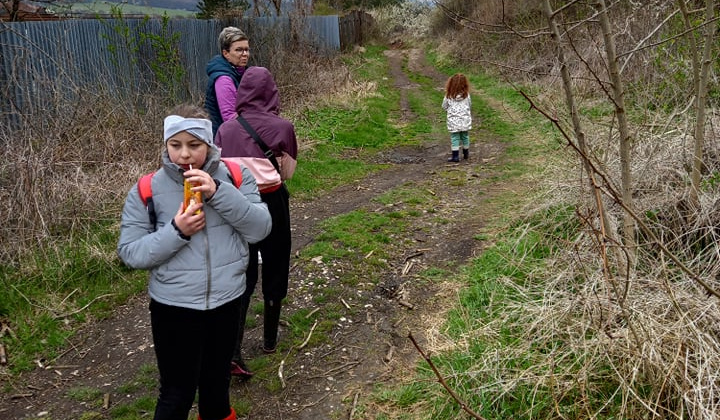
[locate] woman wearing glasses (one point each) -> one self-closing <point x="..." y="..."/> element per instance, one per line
<point x="224" y="73"/>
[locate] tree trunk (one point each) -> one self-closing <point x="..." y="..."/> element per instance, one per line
<point x="585" y="157"/>
<point x="15" y="10"/>
<point x="701" y="89"/>
<point x="618" y="93"/>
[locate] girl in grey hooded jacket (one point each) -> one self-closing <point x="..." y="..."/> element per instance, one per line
<point x="197" y="258"/>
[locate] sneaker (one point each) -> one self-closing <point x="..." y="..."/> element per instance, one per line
<point x="240" y="370"/>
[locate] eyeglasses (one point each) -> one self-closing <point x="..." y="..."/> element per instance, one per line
<point x="242" y="51"/>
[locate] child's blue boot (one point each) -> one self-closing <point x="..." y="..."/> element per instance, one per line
<point x="455" y="156"/>
<point x="466" y="153"/>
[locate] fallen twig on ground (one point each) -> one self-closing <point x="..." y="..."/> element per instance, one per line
<point x="406" y="304"/>
<point x="354" y="406"/>
<point x="389" y="355"/>
<point x="416" y="254"/>
<point x="307" y="339"/>
<point x="345" y="303"/>
<point x="77" y="311"/>
<point x="341" y="367"/>
<point x="280" y="373"/>
<point x="408" y="266"/>
<point x="452" y="393"/>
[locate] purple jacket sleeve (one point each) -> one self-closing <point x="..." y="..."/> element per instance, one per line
<point x="226" y="94"/>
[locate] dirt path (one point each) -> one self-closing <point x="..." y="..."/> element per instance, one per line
<point x="329" y="381"/>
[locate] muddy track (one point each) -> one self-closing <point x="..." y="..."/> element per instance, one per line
<point x="334" y="379"/>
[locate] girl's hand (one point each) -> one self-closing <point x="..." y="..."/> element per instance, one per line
<point x="188" y="222"/>
<point x="202" y="181"/>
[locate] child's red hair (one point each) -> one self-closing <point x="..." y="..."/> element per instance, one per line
<point x="457" y="85"/>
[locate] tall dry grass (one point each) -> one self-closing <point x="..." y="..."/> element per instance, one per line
<point x="652" y="335"/>
<point x="69" y="167"/>
<point x="647" y="341"/>
<point x="66" y="169"/>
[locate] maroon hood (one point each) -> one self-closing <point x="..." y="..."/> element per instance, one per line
<point x="257" y="92"/>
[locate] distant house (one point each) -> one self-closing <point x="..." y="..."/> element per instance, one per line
<point x="24" y="11"/>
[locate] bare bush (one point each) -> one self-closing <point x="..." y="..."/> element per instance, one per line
<point x="69" y="168"/>
<point x="642" y="342"/>
<point x="401" y="23"/>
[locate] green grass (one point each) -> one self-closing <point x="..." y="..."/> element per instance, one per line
<point x="93" y="396"/>
<point x="69" y="281"/>
<point x="145" y="379"/>
<point x="517" y="249"/>
<point x="502" y="371"/>
<point x="347" y="136"/>
<point x="514" y="256"/>
<point x="354" y="235"/>
<point x="141" y="408"/>
<point x="58" y="290"/>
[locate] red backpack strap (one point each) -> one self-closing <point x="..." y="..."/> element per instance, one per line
<point x="145" y="191"/>
<point x="145" y="187"/>
<point x="235" y="172"/>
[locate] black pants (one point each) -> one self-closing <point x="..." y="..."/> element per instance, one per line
<point x="275" y="251"/>
<point x="194" y="350"/>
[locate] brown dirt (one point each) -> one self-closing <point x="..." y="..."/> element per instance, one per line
<point x="332" y="380"/>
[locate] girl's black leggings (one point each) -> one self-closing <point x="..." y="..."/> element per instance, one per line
<point x="275" y="250"/>
<point x="194" y="349"/>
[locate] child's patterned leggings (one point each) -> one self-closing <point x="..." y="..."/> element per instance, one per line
<point x="461" y="137"/>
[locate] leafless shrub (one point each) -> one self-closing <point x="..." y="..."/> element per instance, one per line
<point x="67" y="168"/>
<point x="652" y="337"/>
<point x="644" y="342"/>
<point x="401" y="23"/>
<point x="302" y="73"/>
<point x="70" y="166"/>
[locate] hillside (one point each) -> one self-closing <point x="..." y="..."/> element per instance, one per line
<point x="106" y="8"/>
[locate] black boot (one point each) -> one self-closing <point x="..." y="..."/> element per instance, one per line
<point x="455" y="156"/>
<point x="271" y="321"/>
<point x="466" y="153"/>
<point x="237" y="366"/>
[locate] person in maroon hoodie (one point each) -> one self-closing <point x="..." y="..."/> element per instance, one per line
<point x="258" y="104"/>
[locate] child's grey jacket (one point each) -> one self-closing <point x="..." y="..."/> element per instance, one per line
<point x="208" y="270"/>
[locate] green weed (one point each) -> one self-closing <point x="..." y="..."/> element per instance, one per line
<point x="146" y="379"/>
<point x="141" y="408"/>
<point x="86" y="394"/>
<point x="46" y="300"/>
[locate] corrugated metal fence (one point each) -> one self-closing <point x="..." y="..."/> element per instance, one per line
<point x="40" y="61"/>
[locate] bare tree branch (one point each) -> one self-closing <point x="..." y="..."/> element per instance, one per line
<point x="621" y="116"/>
<point x="630" y="53"/>
<point x="452" y="393"/>
<point x="611" y="192"/>
<point x="701" y="94"/>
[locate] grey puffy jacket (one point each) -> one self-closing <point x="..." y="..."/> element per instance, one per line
<point x="208" y="270"/>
